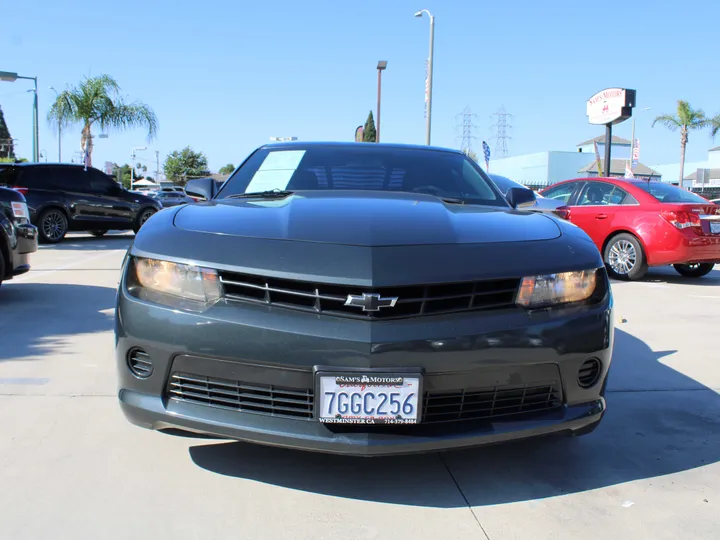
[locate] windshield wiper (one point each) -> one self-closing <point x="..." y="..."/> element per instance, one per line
<point x="270" y="194"/>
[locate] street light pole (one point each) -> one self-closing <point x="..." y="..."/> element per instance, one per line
<point x="10" y="76"/>
<point x="59" y="129"/>
<point x="382" y="64"/>
<point x="132" y="166"/>
<point x="430" y="73"/>
<point x="632" y="137"/>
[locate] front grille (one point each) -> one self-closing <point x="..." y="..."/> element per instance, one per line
<point x="239" y="396"/>
<point x="447" y="406"/>
<point x="412" y="301"/>
<point x="491" y="403"/>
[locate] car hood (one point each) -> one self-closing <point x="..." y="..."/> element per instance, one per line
<point x="362" y="219"/>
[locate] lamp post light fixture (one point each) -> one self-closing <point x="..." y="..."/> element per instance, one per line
<point x="132" y="167"/>
<point x="57" y="95"/>
<point x="9" y="76"/>
<point x="381" y="66"/>
<point x="430" y="72"/>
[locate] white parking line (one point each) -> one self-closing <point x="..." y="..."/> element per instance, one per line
<point x="39" y="273"/>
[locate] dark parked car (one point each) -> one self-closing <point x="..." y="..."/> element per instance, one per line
<point x="362" y="299"/>
<point x="18" y="238"/>
<point x="172" y="198"/>
<point x="65" y="197"/>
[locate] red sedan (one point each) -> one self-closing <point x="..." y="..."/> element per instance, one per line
<point x="638" y="224"/>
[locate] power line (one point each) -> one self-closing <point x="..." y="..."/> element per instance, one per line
<point x="465" y="119"/>
<point x="502" y="128"/>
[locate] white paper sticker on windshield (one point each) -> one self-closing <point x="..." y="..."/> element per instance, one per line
<point x="282" y="160"/>
<point x="276" y="171"/>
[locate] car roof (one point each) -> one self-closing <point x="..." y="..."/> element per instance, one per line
<point x="344" y="144"/>
<point x="47" y="164"/>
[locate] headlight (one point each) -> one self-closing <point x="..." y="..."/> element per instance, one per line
<point x="554" y="289"/>
<point x="167" y="283"/>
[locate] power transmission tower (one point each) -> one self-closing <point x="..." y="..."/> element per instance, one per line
<point x="465" y="119"/>
<point x="502" y="127"/>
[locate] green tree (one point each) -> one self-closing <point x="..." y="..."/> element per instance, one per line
<point x="7" y="149"/>
<point x="180" y="166"/>
<point x="369" y="133"/>
<point x="687" y="119"/>
<point x="227" y="169"/>
<point x="96" y="100"/>
<point x="122" y="174"/>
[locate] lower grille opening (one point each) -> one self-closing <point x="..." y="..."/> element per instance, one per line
<point x="589" y="373"/>
<point x="140" y="363"/>
<point x="491" y="403"/>
<point x="239" y="396"/>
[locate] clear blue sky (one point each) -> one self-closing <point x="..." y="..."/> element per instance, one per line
<point x="224" y="76"/>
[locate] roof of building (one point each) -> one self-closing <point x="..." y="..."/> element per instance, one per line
<point x="714" y="149"/>
<point x="617" y="166"/>
<point x="714" y="173"/>
<point x="601" y="139"/>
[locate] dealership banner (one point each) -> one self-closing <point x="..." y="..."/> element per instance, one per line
<point x="636" y="152"/>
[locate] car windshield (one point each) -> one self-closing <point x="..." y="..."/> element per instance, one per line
<point x="667" y="193"/>
<point x="364" y="167"/>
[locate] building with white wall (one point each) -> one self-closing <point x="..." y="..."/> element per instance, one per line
<point x="671" y="172"/>
<point x="546" y="168"/>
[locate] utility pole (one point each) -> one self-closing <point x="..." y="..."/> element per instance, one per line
<point x="157" y="166"/>
<point x="467" y="126"/>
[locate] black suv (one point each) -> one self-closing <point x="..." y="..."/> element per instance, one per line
<point x="65" y="197"/>
<point x="18" y="238"/>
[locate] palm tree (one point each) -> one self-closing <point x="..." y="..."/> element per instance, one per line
<point x="97" y="101"/>
<point x="714" y="125"/>
<point x="686" y="119"/>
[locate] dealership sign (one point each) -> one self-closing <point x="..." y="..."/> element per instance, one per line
<point x="610" y="106"/>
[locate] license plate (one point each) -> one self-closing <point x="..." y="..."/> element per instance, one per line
<point x="369" y="398"/>
<point x="715" y="227"/>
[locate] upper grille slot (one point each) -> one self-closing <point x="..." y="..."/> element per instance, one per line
<point x="413" y="301"/>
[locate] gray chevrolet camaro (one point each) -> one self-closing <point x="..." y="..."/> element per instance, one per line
<point x="362" y="299"/>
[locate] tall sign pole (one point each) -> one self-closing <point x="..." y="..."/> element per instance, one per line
<point x="609" y="107"/>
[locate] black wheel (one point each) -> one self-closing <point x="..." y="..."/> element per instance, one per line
<point x="143" y="217"/>
<point x="98" y="233"/>
<point x="52" y="225"/>
<point x="625" y="258"/>
<point x="694" y="270"/>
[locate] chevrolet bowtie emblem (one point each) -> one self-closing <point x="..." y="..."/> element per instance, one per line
<point x="370" y="302"/>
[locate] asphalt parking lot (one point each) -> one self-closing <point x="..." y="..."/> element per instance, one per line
<point x="72" y="467"/>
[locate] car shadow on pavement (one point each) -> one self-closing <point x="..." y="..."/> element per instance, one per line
<point x="38" y="318"/>
<point x="91" y="243"/>
<point x="658" y="422"/>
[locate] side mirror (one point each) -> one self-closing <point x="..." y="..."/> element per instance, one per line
<point x="201" y="188"/>
<point x="520" y="197"/>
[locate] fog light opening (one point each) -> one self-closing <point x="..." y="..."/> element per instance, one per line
<point x="589" y="373"/>
<point x="139" y="363"/>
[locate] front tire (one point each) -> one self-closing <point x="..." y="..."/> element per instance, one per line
<point x="142" y="218"/>
<point x="53" y="226"/>
<point x="625" y="258"/>
<point x="694" y="270"/>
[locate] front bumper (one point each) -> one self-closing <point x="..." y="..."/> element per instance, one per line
<point x="268" y="347"/>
